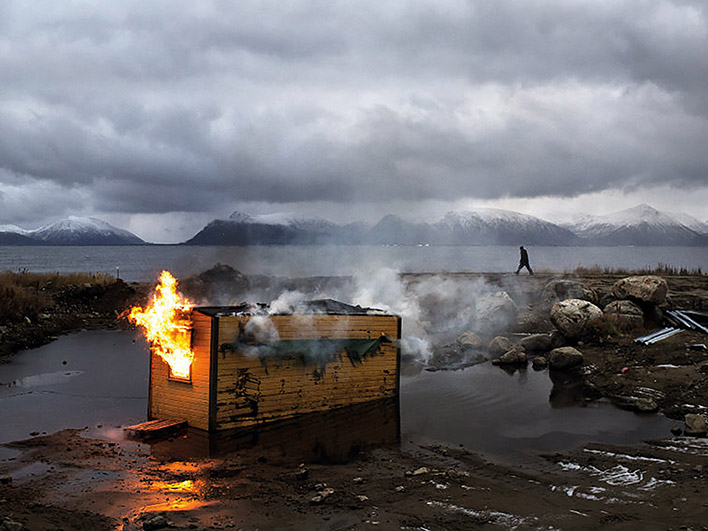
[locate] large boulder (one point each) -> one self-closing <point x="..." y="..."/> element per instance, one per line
<point x="559" y="290"/>
<point x="516" y="356"/>
<point x="564" y="358"/>
<point x="536" y="343"/>
<point x="496" y="310"/>
<point x="625" y="314"/>
<point x="539" y="363"/>
<point x="447" y="356"/>
<point x="574" y="317"/>
<point x="470" y="340"/>
<point x="648" y="288"/>
<point x="499" y="345"/>
<point x="695" y="425"/>
<point x="454" y="356"/>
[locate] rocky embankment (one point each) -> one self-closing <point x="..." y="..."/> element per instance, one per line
<point x="63" y="309"/>
<point x="576" y="327"/>
<point x="587" y="329"/>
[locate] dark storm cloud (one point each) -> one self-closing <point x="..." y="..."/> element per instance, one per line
<point x="167" y="106"/>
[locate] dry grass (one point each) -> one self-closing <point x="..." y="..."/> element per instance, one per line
<point x="660" y="269"/>
<point x="27" y="294"/>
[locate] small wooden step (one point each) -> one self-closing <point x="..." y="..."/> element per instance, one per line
<point x="156" y="428"/>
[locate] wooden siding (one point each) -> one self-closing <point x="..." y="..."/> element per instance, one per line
<point x="252" y="391"/>
<point x="179" y="400"/>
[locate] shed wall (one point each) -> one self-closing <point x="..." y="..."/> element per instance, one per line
<point x="251" y="390"/>
<point x="178" y="400"/>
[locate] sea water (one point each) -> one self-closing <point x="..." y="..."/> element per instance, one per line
<point x="143" y="263"/>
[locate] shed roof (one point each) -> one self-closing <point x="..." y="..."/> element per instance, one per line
<point x="313" y="307"/>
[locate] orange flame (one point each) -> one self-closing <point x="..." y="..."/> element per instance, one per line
<point x="165" y="326"/>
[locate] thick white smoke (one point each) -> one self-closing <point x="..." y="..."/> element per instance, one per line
<point x="434" y="309"/>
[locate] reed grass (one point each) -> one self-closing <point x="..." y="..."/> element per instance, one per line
<point x="26" y="295"/>
<point x="660" y="269"/>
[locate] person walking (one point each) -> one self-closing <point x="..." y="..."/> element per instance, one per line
<point x="524" y="261"/>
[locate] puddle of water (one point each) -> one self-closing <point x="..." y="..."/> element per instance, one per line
<point x="30" y="471"/>
<point x="101" y="377"/>
<point x="513" y="416"/>
<point x="8" y="454"/>
<point x="76" y="381"/>
<point x="39" y="380"/>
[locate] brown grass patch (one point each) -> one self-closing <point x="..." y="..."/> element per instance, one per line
<point x="660" y="270"/>
<point x="27" y="294"/>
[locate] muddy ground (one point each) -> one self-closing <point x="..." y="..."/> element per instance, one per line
<point x="97" y="480"/>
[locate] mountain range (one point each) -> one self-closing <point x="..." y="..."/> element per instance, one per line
<point x="73" y="230"/>
<point x="641" y="225"/>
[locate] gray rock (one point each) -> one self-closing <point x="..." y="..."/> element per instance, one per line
<point x="539" y="363"/>
<point x="625" y="314"/>
<point x="645" y="405"/>
<point x="695" y="425"/>
<point x="470" y="340"/>
<point x="499" y="345"/>
<point x="574" y="317"/>
<point x="447" y="356"/>
<point x="564" y="358"/>
<point x="647" y="288"/>
<point x="8" y="524"/>
<point x="495" y="311"/>
<point x="559" y="290"/>
<point x="516" y="356"/>
<point x="641" y="404"/>
<point x="156" y="522"/>
<point x="536" y="343"/>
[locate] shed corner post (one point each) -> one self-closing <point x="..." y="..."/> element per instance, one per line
<point x="398" y="378"/>
<point x="149" y="405"/>
<point x="213" y="372"/>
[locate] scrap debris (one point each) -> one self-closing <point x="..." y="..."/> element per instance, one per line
<point x="658" y="336"/>
<point x="681" y="319"/>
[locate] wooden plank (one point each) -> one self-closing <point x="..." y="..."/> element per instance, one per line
<point x="157" y="428"/>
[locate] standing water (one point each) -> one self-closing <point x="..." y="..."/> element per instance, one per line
<point x="144" y="263"/>
<point x="79" y="380"/>
<point x="101" y="377"/>
<point x="512" y="415"/>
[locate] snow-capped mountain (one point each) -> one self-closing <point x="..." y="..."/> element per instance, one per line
<point x="14" y="229"/>
<point x="482" y="227"/>
<point x="640" y="225"/>
<point x="241" y="217"/>
<point x="70" y="231"/>
<point x="701" y="227"/>
<point x="14" y="235"/>
<point x="490" y="226"/>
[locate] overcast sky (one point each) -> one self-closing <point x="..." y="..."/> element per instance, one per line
<point x="160" y="116"/>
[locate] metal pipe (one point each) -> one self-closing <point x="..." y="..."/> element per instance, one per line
<point x="665" y="336"/>
<point x="654" y="334"/>
<point x="680" y="318"/>
<point x="657" y="336"/>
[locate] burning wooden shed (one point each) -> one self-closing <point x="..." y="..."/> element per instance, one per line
<point x="251" y="367"/>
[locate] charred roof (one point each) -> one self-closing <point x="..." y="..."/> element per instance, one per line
<point x="313" y="307"/>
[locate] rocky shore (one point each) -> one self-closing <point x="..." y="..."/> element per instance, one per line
<point x="69" y="480"/>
